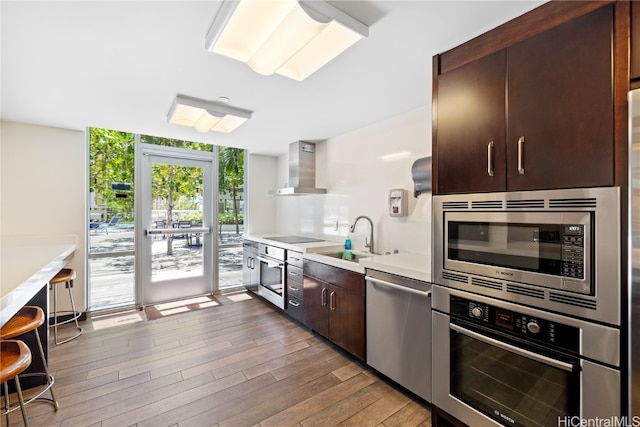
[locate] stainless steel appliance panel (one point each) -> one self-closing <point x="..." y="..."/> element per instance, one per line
<point x="634" y="256"/>
<point x="595" y="297"/>
<point x="399" y="330"/>
<point x="590" y="383"/>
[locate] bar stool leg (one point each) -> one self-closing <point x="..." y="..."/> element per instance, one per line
<point x="45" y="364"/>
<point x="21" y="400"/>
<point x="7" y="406"/>
<point x="76" y="314"/>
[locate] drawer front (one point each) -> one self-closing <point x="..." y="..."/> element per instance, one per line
<point x="295" y="308"/>
<point x="295" y="289"/>
<point x="294" y="274"/>
<point x="294" y="258"/>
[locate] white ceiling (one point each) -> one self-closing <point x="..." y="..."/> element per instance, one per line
<point x="119" y="64"/>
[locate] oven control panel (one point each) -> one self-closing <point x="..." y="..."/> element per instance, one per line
<point x="573" y="251"/>
<point x="517" y="324"/>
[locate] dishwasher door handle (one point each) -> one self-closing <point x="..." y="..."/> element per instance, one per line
<point x="401" y="288"/>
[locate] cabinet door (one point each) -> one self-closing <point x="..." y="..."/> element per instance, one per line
<point x="316" y="305"/>
<point x="470" y="118"/>
<point x="347" y="320"/>
<point x="560" y="102"/>
<point x="249" y="271"/>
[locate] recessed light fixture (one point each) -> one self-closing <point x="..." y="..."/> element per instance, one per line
<point x="287" y="37"/>
<point x="206" y="116"/>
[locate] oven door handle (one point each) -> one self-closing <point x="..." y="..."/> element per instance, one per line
<point x="271" y="263"/>
<point x="519" y="351"/>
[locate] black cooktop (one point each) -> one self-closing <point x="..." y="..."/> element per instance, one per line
<point x="293" y="239"/>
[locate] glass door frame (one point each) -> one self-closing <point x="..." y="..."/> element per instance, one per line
<point x="210" y="240"/>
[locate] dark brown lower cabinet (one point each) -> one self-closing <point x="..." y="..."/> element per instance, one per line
<point x="335" y="310"/>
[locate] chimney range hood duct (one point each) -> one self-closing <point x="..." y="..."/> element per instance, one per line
<point x="302" y="171"/>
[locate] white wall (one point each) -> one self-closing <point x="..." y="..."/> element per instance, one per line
<point x="358" y="169"/>
<point x="43" y="188"/>
<point x="260" y="208"/>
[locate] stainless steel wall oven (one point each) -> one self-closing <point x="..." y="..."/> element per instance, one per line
<point x="498" y="363"/>
<point x="271" y="285"/>
<point x="557" y="250"/>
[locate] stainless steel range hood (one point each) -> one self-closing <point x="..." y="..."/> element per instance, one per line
<point x="302" y="171"/>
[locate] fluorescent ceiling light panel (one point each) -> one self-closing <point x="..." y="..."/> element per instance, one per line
<point x="206" y="116"/>
<point x="287" y="37"/>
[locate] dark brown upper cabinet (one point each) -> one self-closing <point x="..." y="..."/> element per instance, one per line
<point x="537" y="114"/>
<point x="471" y="127"/>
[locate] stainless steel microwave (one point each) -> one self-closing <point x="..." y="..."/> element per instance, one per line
<point x="557" y="250"/>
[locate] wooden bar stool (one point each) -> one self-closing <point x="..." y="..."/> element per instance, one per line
<point x="66" y="276"/>
<point x="29" y="319"/>
<point x="15" y="357"/>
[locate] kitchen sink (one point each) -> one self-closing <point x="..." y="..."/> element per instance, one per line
<point x="356" y="256"/>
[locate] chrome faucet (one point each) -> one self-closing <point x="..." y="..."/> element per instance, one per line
<point x="353" y="227"/>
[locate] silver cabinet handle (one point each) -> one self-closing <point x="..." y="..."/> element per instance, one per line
<point x="519" y="351"/>
<point x="332" y="301"/>
<point x="293" y="303"/>
<point x="293" y="288"/>
<point x="324" y="297"/>
<point x="490" y="148"/>
<point x="521" y="155"/>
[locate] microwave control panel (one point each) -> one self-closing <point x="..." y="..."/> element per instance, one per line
<point x="516" y="324"/>
<point x="573" y="251"/>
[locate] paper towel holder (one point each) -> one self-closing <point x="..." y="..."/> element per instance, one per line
<point x="421" y="174"/>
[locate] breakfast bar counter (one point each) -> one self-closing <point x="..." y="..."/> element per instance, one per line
<point x="26" y="266"/>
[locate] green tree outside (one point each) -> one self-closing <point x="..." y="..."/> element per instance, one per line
<point x="231" y="178"/>
<point x="112" y="160"/>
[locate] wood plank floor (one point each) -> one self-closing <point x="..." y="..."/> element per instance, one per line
<point x="239" y="363"/>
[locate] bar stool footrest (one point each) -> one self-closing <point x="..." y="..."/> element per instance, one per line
<point x="36" y="398"/>
<point x="75" y="315"/>
<point x="43" y="389"/>
<point x="70" y="338"/>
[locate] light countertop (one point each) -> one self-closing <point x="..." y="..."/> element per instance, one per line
<point x="311" y="247"/>
<point x="414" y="266"/>
<point x="26" y="265"/>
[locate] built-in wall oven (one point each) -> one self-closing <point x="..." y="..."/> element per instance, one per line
<point x="558" y="250"/>
<point x="499" y="363"/>
<point x="271" y="285"/>
<point x="527" y="306"/>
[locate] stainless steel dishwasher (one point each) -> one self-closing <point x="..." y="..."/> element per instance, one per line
<point x="399" y="330"/>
